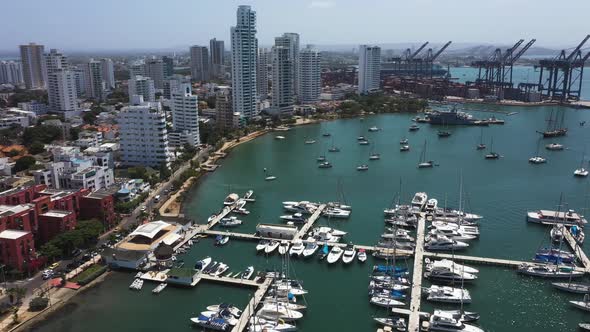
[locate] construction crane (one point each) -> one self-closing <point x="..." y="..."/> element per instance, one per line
<point x="429" y="60"/>
<point x="510" y="59"/>
<point x="410" y="56"/>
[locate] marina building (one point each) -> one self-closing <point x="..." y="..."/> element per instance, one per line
<point x="369" y="69"/>
<point x="244" y="47"/>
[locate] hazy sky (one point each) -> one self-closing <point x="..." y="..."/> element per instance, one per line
<point x="131" y="24"/>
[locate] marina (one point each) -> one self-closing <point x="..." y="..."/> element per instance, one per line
<point x="503" y="227"/>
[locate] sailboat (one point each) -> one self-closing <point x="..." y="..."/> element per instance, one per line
<point x="269" y="176"/>
<point x="445" y="132"/>
<point x="555" y="126"/>
<point x="492" y="154"/>
<point x="481" y="145"/>
<point x="423" y="163"/>
<point x="537" y="159"/>
<point x="333" y="148"/>
<point x="581" y="172"/>
<point x="374" y="155"/>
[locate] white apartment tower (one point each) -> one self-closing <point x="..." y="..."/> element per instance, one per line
<point x="199" y="63"/>
<point x="185" y="117"/>
<point x="143" y="135"/>
<point x="95" y="85"/>
<point x="310" y="80"/>
<point x="142" y="86"/>
<point x="291" y="40"/>
<point x="32" y="58"/>
<point x="61" y="83"/>
<point x="282" y="80"/>
<point x="11" y="72"/>
<point x="244" y="47"/>
<point x="369" y="75"/>
<point x="108" y="73"/>
<point x="217" y="50"/>
<point x="262" y="73"/>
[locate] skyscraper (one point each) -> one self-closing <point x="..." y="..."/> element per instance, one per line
<point x="310" y="81"/>
<point x="262" y="73"/>
<point x="11" y="72"/>
<point x="32" y="59"/>
<point x="142" y="86"/>
<point x="61" y="82"/>
<point x="168" y="66"/>
<point x="185" y="117"/>
<point x="199" y="63"/>
<point x="95" y="83"/>
<point x="217" y="50"/>
<point x="224" y="115"/>
<point x="369" y="68"/>
<point x="137" y="69"/>
<point x="108" y="73"/>
<point x="244" y="47"/>
<point x="54" y="61"/>
<point x="291" y="40"/>
<point x="282" y="80"/>
<point x="155" y="71"/>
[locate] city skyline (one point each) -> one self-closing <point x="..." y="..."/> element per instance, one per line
<point x="111" y="27"/>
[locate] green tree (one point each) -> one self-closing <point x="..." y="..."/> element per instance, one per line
<point x="24" y="163"/>
<point x="51" y="251"/>
<point x="36" y="148"/>
<point x="164" y="172"/>
<point x="42" y="133"/>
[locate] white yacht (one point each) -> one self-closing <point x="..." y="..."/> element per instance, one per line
<point x="446" y="227"/>
<point x="362" y="255"/>
<point x="310" y="247"/>
<point x="297" y="248"/>
<point x="554" y="147"/>
<point x="556" y="217"/>
<point x="230" y="222"/>
<point x="374" y="128"/>
<point x="272" y="245"/>
<point x="272" y="312"/>
<point x="262" y="245"/>
<point x="335" y="254"/>
<point x="447" y="294"/>
<point x="537" y="160"/>
<point x="584" y="304"/>
<point x="279" y="137"/>
<point x="349" y="254"/>
<point x="431" y="205"/>
<point x="258" y="324"/>
<point x="449" y="264"/>
<point x="446" y="322"/>
<point x="441" y="242"/>
<point x="336" y="213"/>
<point x="441" y="214"/>
<point x="362" y="167"/>
<point x="453" y="235"/>
<point x="283" y="247"/>
<point x="231" y="199"/>
<point x="294" y="218"/>
<point x="332" y="231"/>
<point x="581" y="172"/>
<point x="419" y="200"/>
<point x="397" y="323"/>
<point x="387" y="302"/>
<point x="549" y="271"/>
<point x="448" y="274"/>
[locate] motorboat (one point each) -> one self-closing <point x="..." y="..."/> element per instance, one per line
<point x="387" y="285"/>
<point x="262" y="245"/>
<point x="404" y="148"/>
<point x="283" y="247"/>
<point x="336" y="213"/>
<point x="403" y="141"/>
<point x="211" y="218"/>
<point x="453" y="235"/>
<point x="399" y="235"/>
<point x="271" y="246"/>
<point x="241" y="211"/>
<point x="364" y="142"/>
<point x="556" y="233"/>
<point x="297" y="248"/>
<point x="310" y="247"/>
<point x="231" y="199"/>
<point x="332" y="231"/>
<point x="221" y="268"/>
<point x="554" y="255"/>
<point x="549" y="217"/>
<point x="362" y="167"/>
<point x="447" y="294"/>
<point x="549" y="271"/>
<point x="537" y="160"/>
<point x="247" y="273"/>
<point x="397" y="323"/>
<point x="441" y="214"/>
<point x="230" y="222"/>
<point x="391" y="279"/>
<point x="310" y="141"/>
<point x="335" y="254"/>
<point x="389" y="243"/>
<point x="448" y="274"/>
<point x="449" y="227"/>
<point x="217" y="324"/>
<point x="294" y="218"/>
<point x="321" y="158"/>
<point x="450" y="265"/>
<point x="230" y="308"/>
<point x="431" y="205"/>
<point x="584" y="304"/>
<point x="581" y="172"/>
<point x="159" y="288"/>
<point x="492" y="155"/>
<point x="374" y="129"/>
<point x="339" y="205"/>
<point x="384" y="301"/>
<point x="349" y="254"/>
<point x="279" y="137"/>
<point x="272" y="312"/>
<point x="203" y="263"/>
<point x="334" y="149"/>
<point x="362" y="255"/>
<point x="374" y="156"/>
<point x="444" y="133"/>
<point x="572" y="287"/>
<point x="441" y="242"/>
<point x="584" y="326"/>
<point x="554" y="147"/>
<point x="460" y="315"/>
<point x="419" y="200"/>
<point x="326" y="134"/>
<point x="325" y="164"/>
<point x="446" y="322"/>
<point x="270" y="178"/>
<point x="384" y="292"/>
<point x="288" y="286"/>
<point x="258" y="324"/>
<point x="300" y="208"/>
<point x="221" y="240"/>
<point x="414" y="128"/>
<point x="283" y="303"/>
<point x="361" y="138"/>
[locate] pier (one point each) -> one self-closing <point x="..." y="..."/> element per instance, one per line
<point x="310" y="221"/>
<point x="580" y="255"/>
<point x="414" y="320"/>
<point x="251" y="307"/>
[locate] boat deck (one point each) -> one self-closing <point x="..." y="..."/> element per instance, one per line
<point x="251" y="307"/>
<point x="414" y="320"/>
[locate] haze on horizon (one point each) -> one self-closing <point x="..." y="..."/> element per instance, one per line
<point x="131" y="24"/>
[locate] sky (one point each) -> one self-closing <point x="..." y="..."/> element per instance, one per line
<point x="149" y="24"/>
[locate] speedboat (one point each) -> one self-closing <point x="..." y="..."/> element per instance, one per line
<point x="554" y="147"/>
<point x="310" y="248"/>
<point x="374" y="156"/>
<point x="446" y="322"/>
<point x="431" y="205"/>
<point x="262" y="245"/>
<point x="297" y="248"/>
<point x="419" y="200"/>
<point x="295" y="218"/>
<point x="404" y="148"/>
<point x="349" y="254"/>
<point x="362" y="255"/>
<point x="373" y="129"/>
<point x="492" y="155"/>
<point x="449" y="264"/>
<point x="556" y="217"/>
<point x="364" y="142"/>
<point x="283" y="247"/>
<point x="441" y="242"/>
<point x="335" y="254"/>
<point x="221" y="240"/>
<point x="397" y="323"/>
<point x="537" y="160"/>
<point x="218" y="324"/>
<point x="384" y="301"/>
<point x="310" y="141"/>
<point x="221" y="268"/>
<point x="403" y="141"/>
<point x="572" y="287"/>
<point x="336" y="213"/>
<point x="272" y="312"/>
<point x="448" y="274"/>
<point x="203" y="263"/>
<point x="270" y="178"/>
<point x="326" y="134"/>
<point x="279" y="137"/>
<point x="414" y="127"/>
<point x="247" y="273"/>
<point x="362" y="167"/>
<point x="230" y="222"/>
<point x="581" y="172"/>
<point x="271" y="246"/>
<point x="447" y="294"/>
<point x="556" y="233"/>
<point x="462" y="316"/>
<point x="325" y="164"/>
<point x="426" y="164"/>
<point x="230" y="308"/>
<point x="549" y="271"/>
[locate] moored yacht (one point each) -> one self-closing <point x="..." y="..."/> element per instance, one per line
<point x="556" y="217"/>
<point x="431" y="205"/>
<point x="447" y="294"/>
<point x="419" y="200"/>
<point x="297" y="248"/>
<point x="283" y="247"/>
<point x="349" y="254"/>
<point x="295" y="218"/>
<point x="450" y="265"/>
<point x="362" y="167"/>
<point x="549" y="271"/>
<point x="336" y="213"/>
<point x="397" y="323"/>
<point x="554" y="147"/>
<point x="448" y="274"/>
<point x="272" y="245"/>
<point x="441" y="242"/>
<point x="310" y="247"/>
<point x="446" y="322"/>
<point x="335" y="254"/>
<point x="404" y="148"/>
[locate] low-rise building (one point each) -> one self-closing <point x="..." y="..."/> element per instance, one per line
<point x="17" y="249"/>
<point x="131" y="189"/>
<point x="55" y="222"/>
<point x="8" y="120"/>
<point x="34" y="106"/>
<point x="88" y="139"/>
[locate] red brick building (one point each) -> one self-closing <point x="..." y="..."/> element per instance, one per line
<point x="17" y="249"/>
<point x="54" y="222"/>
<point x="99" y="205"/>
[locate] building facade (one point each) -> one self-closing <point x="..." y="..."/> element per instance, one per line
<point x="11" y="72"/>
<point x="155" y="71"/>
<point x="61" y="91"/>
<point x="282" y="80"/>
<point x="369" y="78"/>
<point x="199" y="63"/>
<point x="291" y="40"/>
<point x="224" y="110"/>
<point x="263" y="70"/>
<point x="32" y="59"/>
<point x="141" y="86"/>
<point x="185" y="117"/>
<point x="244" y="47"/>
<point x="95" y="83"/>
<point x="217" y="64"/>
<point x="108" y="73"/>
<point x="310" y="78"/>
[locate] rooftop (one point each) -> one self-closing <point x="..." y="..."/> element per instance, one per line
<point x="12" y="234"/>
<point x="181" y="272"/>
<point x="8" y="210"/>
<point x="56" y="213"/>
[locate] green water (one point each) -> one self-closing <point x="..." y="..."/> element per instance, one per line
<point x="501" y="190"/>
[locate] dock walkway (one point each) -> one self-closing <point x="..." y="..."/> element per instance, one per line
<point x="310" y="221"/>
<point x="251" y="307"/>
<point x="414" y="320"/>
<point x="580" y="255"/>
<point x="234" y="281"/>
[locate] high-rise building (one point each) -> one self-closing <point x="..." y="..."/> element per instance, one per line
<point x="199" y="63"/>
<point x="291" y="40"/>
<point x="142" y="133"/>
<point x="310" y="79"/>
<point x="217" y="49"/>
<point x="95" y="83"/>
<point x="108" y="73"/>
<point x="31" y="56"/>
<point x="225" y="117"/>
<point x="11" y="72"/>
<point x="142" y="86"/>
<point x="263" y="73"/>
<point x="185" y="117"/>
<point x="369" y="68"/>
<point x="80" y="74"/>
<point x="54" y="61"/>
<point x="244" y="47"/>
<point x="168" y="66"/>
<point x="61" y="83"/>
<point x="137" y="69"/>
<point x="282" y="80"/>
<point x="155" y="71"/>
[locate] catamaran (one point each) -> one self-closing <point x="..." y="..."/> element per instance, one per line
<point x="537" y="159"/>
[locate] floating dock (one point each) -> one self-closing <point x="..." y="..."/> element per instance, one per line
<point x="251" y="307"/>
<point x="580" y="255"/>
<point x="310" y="221"/>
<point x="414" y="320"/>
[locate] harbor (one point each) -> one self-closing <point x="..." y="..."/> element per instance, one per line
<point x="507" y="240"/>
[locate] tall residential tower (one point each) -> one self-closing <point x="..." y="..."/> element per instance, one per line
<point x="31" y="56"/>
<point x="244" y="47"/>
<point x="310" y="80"/>
<point x="369" y="68"/>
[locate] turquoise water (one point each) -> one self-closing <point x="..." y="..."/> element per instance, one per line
<point x="520" y="74"/>
<point x="501" y="190"/>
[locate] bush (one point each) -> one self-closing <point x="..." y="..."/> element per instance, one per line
<point x="90" y="274"/>
<point x="38" y="304"/>
<point x="24" y="163"/>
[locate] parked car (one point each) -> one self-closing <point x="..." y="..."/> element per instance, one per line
<point x="53" y="266"/>
<point x="47" y="274"/>
<point x="76" y="252"/>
